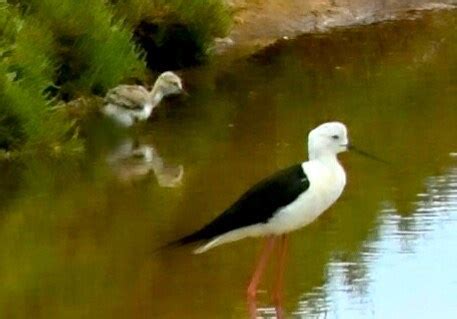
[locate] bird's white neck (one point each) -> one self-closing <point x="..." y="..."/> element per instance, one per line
<point x="329" y="160"/>
<point x="317" y="153"/>
<point x="156" y="95"/>
<point x="332" y="167"/>
<point x="326" y="157"/>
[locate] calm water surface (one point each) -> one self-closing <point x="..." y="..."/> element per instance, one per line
<point x="78" y="238"/>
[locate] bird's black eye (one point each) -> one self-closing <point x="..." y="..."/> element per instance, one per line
<point x="335" y="137"/>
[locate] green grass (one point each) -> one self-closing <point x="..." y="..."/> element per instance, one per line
<point x="95" y="51"/>
<point x="204" y="20"/>
<point x="26" y="68"/>
<point x="52" y="50"/>
<point x="208" y="18"/>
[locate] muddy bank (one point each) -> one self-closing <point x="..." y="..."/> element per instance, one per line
<point x="261" y="23"/>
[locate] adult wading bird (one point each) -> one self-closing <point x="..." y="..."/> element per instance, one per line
<point x="288" y="200"/>
<point x="128" y="104"/>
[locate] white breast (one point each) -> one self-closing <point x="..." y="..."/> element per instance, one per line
<point x="119" y="114"/>
<point x="145" y="112"/>
<point x="326" y="185"/>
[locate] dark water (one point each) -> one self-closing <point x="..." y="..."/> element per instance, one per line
<point x="78" y="238"/>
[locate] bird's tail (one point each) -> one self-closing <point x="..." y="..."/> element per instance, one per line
<point x="186" y="240"/>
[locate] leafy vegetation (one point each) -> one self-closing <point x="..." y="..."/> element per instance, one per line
<point x="52" y="50"/>
<point x="175" y="33"/>
<point x="26" y="69"/>
<point x="206" y="18"/>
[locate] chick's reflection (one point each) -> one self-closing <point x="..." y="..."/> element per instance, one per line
<point x="132" y="161"/>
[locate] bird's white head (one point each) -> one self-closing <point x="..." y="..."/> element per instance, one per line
<point x="327" y="139"/>
<point x="168" y="83"/>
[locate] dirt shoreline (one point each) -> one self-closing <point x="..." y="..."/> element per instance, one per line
<point x="259" y="23"/>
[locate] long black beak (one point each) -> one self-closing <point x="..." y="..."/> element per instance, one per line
<point x="357" y="150"/>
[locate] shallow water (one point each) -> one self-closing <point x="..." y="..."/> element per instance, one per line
<point x="79" y="239"/>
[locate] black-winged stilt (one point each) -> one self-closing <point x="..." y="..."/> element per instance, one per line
<point x="128" y="104"/>
<point x="288" y="200"/>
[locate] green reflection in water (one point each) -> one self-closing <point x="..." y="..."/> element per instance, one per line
<point x="78" y="240"/>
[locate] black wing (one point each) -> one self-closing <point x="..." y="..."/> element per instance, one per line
<point x="257" y="205"/>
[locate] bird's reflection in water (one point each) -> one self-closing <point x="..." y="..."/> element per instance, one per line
<point x="271" y="312"/>
<point x="132" y="161"/>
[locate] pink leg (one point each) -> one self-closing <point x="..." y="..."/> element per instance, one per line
<point x="278" y="289"/>
<point x="252" y="307"/>
<point x="266" y="251"/>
